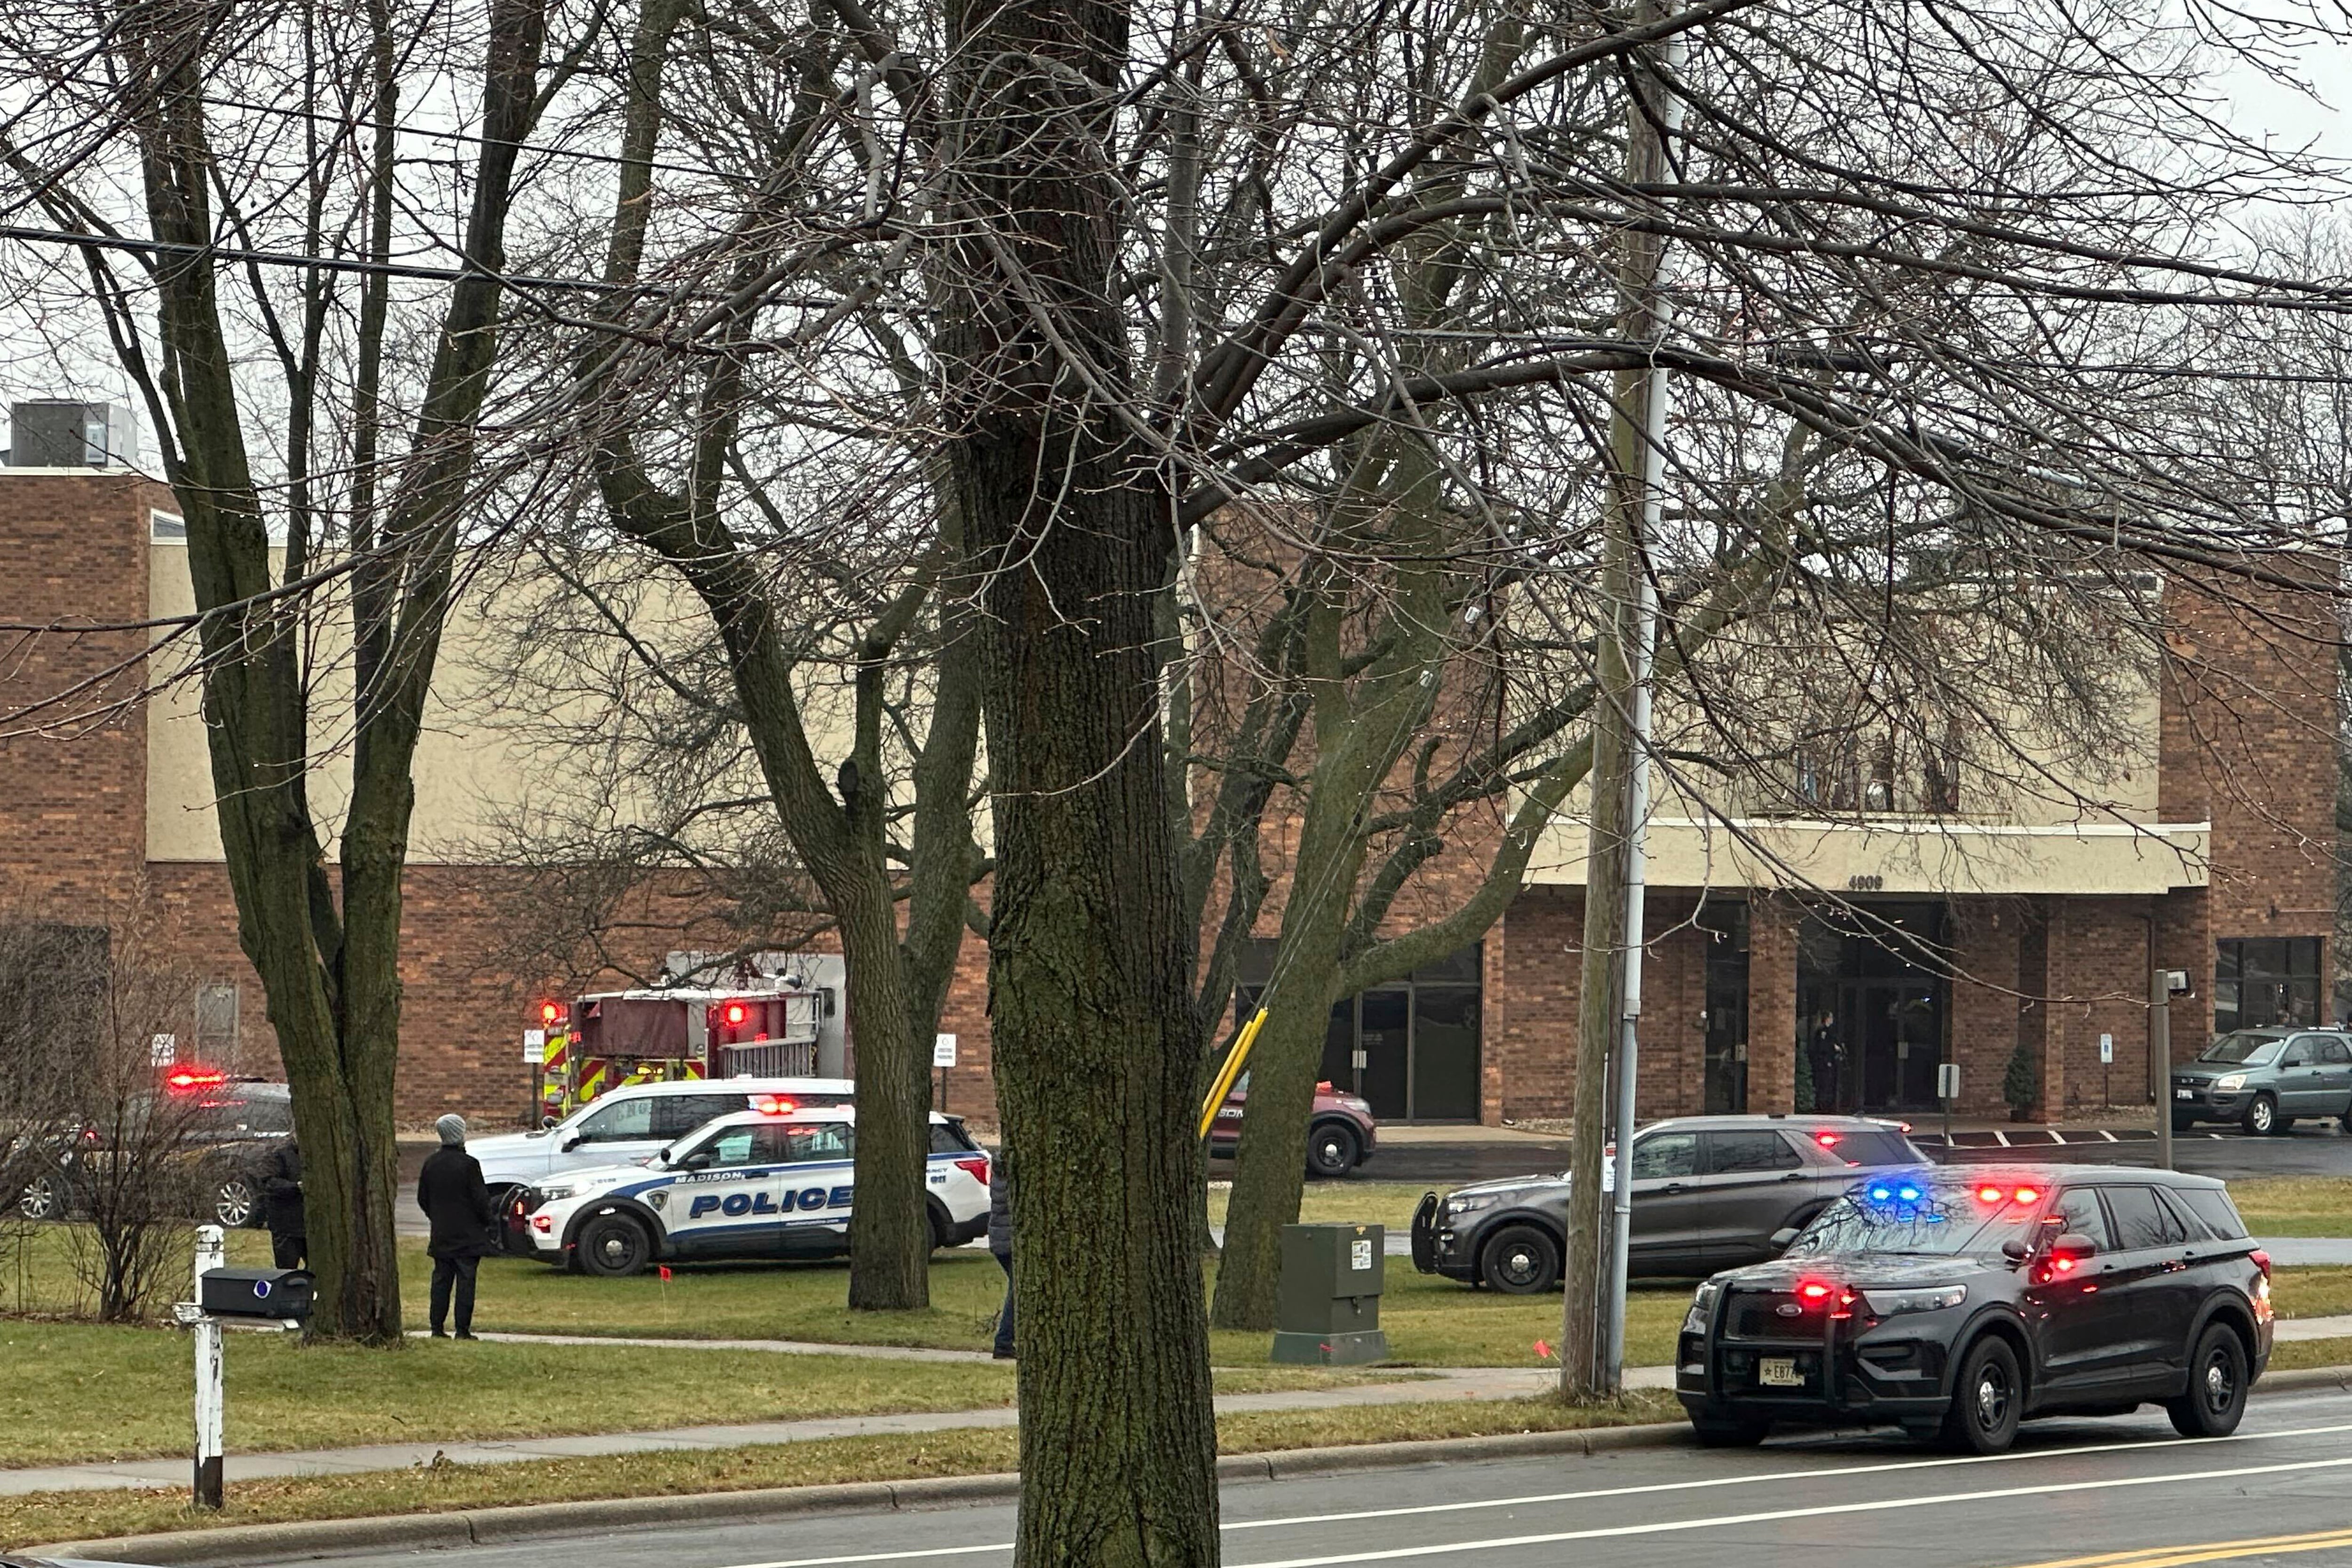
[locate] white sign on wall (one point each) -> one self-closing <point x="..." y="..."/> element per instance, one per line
<point x="2107" y="1049"/>
<point x="534" y="1046"/>
<point x="163" y="1050"/>
<point x="943" y="1051"/>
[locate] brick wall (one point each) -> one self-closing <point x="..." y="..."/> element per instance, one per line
<point x="1981" y="1012"/>
<point x="73" y="775"/>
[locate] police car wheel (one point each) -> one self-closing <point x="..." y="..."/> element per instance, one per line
<point x="43" y="1198"/>
<point x="1330" y="1152"/>
<point x="233" y="1202"/>
<point x="1987" y="1398"/>
<point x="613" y="1247"/>
<point x="1521" y="1260"/>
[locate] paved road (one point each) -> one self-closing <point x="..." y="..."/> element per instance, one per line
<point x="2072" y="1489"/>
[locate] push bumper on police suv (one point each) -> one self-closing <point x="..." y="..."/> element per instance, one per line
<point x="1816" y="1352"/>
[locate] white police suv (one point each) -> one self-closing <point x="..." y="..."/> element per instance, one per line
<point x="754" y="1184"/>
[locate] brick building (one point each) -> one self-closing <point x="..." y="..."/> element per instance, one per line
<point x="1955" y="937"/>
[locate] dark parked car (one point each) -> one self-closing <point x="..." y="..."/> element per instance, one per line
<point x="1340" y="1137"/>
<point x="1958" y="1302"/>
<point x="1708" y="1193"/>
<point x="220" y="1135"/>
<point x="2265" y="1080"/>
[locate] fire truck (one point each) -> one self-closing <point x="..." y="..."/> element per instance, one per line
<point x="779" y="1021"/>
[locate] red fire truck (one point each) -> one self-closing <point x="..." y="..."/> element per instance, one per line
<point x="766" y="1026"/>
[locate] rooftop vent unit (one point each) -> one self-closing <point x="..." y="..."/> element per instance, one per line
<point x="51" y="433"/>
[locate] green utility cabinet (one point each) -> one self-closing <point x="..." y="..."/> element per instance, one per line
<point x="1328" y="1313"/>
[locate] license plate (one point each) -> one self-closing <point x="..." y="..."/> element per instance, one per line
<point x="1779" y="1371"/>
<point x="2184" y="1094"/>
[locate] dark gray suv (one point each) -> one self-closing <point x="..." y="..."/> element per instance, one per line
<point x="2265" y="1080"/>
<point x="1708" y="1193"/>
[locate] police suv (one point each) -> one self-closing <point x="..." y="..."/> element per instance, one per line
<point x="754" y="1184"/>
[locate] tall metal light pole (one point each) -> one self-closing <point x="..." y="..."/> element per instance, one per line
<point x="1641" y="660"/>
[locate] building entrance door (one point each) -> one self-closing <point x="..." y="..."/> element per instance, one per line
<point x="1725" y="1064"/>
<point x="1899" y="1027"/>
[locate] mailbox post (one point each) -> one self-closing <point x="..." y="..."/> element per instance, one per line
<point x="1329" y="1309"/>
<point x="275" y="1298"/>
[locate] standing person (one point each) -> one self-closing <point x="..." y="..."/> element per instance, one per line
<point x="451" y="1192"/>
<point x="1000" y="1245"/>
<point x="281" y="1206"/>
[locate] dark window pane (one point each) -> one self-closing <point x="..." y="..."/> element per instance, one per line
<point x="1386" y="1017"/>
<point x="1445" y="1055"/>
<point x="825" y="1140"/>
<point x="2077" y="1212"/>
<point x="675" y="1115"/>
<point x="1665" y="1154"/>
<point x="1728" y="1154"/>
<point x="2214" y="1207"/>
<point x="1886" y="1148"/>
<point x="2140" y="1221"/>
<point x="625" y="1121"/>
<point x="950" y="1138"/>
<point x="1459" y="968"/>
<point x="2185" y="1221"/>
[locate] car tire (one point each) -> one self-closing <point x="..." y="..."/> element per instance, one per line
<point x="1332" y="1149"/>
<point x="613" y="1247"/>
<point x="2262" y="1116"/>
<point x="2345" y="1121"/>
<point x="1520" y="1260"/>
<point x="43" y="1198"/>
<point x="2186" y="1124"/>
<point x="2216" y="1399"/>
<point x="236" y="1205"/>
<point x="1739" y="1432"/>
<point x="1987" y="1399"/>
<point x="942" y="1227"/>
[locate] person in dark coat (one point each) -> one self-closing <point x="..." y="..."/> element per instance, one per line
<point x="281" y="1206"/>
<point x="451" y="1192"/>
<point x="1000" y="1245"/>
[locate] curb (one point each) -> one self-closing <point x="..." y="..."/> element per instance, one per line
<point x="252" y="1543"/>
<point x="2304" y="1380"/>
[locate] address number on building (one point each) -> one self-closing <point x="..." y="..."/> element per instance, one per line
<point x="1869" y="883"/>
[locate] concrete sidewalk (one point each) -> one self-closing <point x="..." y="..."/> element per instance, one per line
<point x="1467" y="1383"/>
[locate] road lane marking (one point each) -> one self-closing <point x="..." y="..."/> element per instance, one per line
<point x="1779" y="1515"/>
<point x="2162" y="1447"/>
<point x="2177" y="1555"/>
<point x="1536" y="1499"/>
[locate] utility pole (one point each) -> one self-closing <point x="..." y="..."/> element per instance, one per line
<point x="1592" y="1309"/>
<point x="2159" y="1059"/>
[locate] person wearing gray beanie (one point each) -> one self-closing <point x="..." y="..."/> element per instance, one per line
<point x="454" y="1197"/>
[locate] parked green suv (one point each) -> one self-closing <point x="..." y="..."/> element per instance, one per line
<point x="2266" y="1079"/>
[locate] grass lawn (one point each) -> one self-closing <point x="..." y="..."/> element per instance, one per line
<point x="2311" y="1352"/>
<point x="62" y="1516"/>
<point x="2295" y="1205"/>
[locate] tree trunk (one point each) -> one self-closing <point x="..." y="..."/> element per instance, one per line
<point x="1090" y="963"/>
<point x="889" y="1242"/>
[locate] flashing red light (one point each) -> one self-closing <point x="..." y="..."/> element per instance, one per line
<point x="1989" y="1193"/>
<point x="187" y="1080"/>
<point x="735" y="1013"/>
<point x="772" y="1105"/>
<point x="2064" y="1262"/>
<point x="2027" y="1194"/>
<point x="543" y="1223"/>
<point x="976" y="1168"/>
<point x="1828" y="1139"/>
<point x="550" y="1011"/>
<point x="1814" y="1291"/>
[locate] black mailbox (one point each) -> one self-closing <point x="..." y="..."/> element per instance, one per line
<point x="280" y="1293"/>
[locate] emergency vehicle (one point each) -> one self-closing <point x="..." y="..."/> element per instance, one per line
<point x="754" y="1184"/>
<point x="627" y="1125"/>
<point x="764" y="1025"/>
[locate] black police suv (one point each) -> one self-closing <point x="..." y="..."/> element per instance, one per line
<point x="1708" y="1193"/>
<point x="1958" y="1301"/>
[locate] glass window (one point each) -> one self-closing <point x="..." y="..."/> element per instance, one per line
<point x="2242" y="1050"/>
<point x="950" y="1138"/>
<point x="675" y="1115"/>
<point x="2214" y="1207"/>
<point x="2077" y="1212"/>
<point x="1878" y="1148"/>
<point x="2260" y="981"/>
<point x="2333" y="1052"/>
<point x="1728" y="1153"/>
<point x="2140" y="1221"/>
<point x="2298" y="1054"/>
<point x="621" y="1122"/>
<point x="1950" y="1221"/>
<point x="825" y="1141"/>
<point x="751" y="1143"/>
<point x="1665" y="1154"/>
